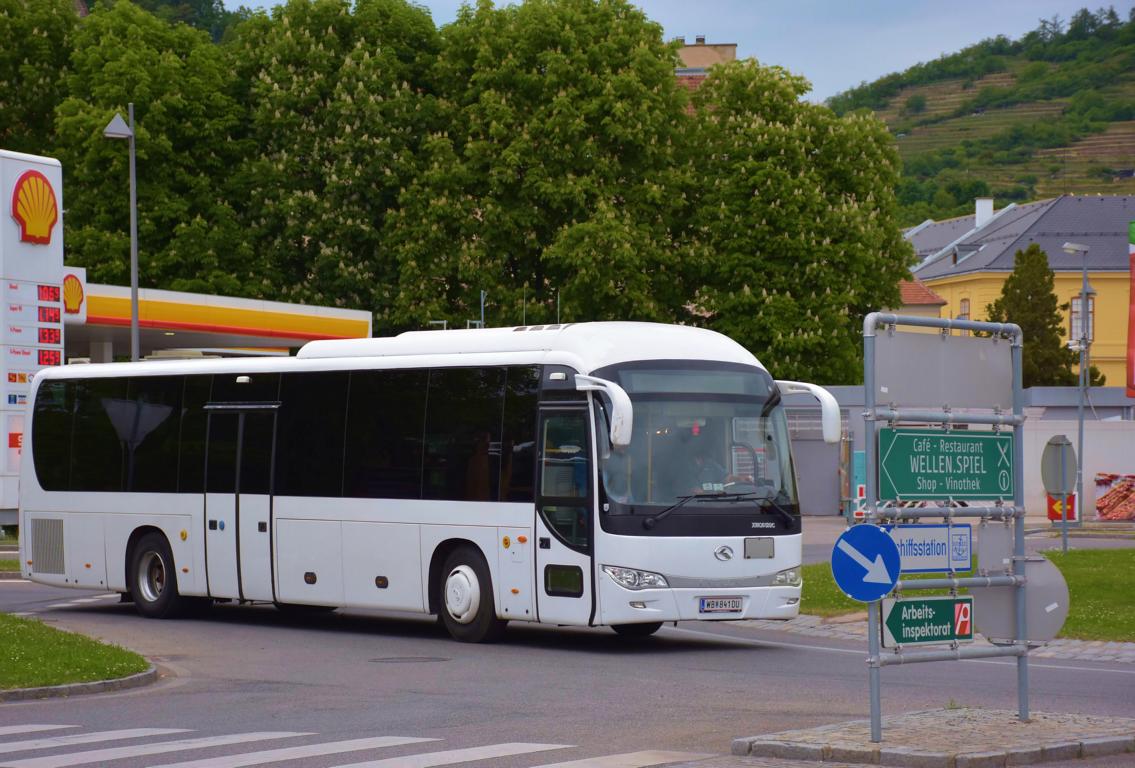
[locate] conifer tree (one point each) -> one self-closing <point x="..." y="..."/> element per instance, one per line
<point x="1027" y="299"/>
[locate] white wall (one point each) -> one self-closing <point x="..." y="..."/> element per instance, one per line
<point x="1109" y="446"/>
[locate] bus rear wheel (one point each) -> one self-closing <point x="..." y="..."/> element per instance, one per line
<point x="637" y="630"/>
<point x="153" y="579"/>
<point x="465" y="602"/>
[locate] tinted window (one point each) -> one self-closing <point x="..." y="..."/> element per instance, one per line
<point x="51" y="434"/>
<point x="463" y="434"/>
<point x="309" y="444"/>
<point x="383" y="457"/>
<point x="148" y="422"/>
<point x="256" y="452"/>
<point x="191" y="465"/>
<point x="518" y="438"/>
<point x="220" y="474"/>
<point x="99" y="435"/>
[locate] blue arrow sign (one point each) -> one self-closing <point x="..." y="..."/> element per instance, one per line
<point x="865" y="563"/>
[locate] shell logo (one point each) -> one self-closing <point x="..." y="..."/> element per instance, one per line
<point x="34" y="207"/>
<point x="72" y="295"/>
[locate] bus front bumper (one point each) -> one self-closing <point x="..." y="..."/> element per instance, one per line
<point x="619" y="605"/>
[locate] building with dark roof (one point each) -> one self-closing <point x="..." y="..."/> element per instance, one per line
<point x="966" y="260"/>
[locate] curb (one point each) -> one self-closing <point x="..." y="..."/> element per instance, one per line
<point x="982" y="729"/>
<point x="11" y="576"/>
<point x="78" y="689"/>
<point x="921" y="758"/>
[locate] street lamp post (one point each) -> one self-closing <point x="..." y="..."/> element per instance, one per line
<point x="118" y="129"/>
<point x="1085" y="373"/>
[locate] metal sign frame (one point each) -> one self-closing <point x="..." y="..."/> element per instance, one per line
<point x="893" y="414"/>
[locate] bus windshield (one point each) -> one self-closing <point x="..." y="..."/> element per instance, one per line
<point x="701" y="430"/>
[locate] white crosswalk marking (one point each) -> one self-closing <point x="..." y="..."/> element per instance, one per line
<point x="8" y="730"/>
<point x="629" y="760"/>
<point x="454" y="756"/>
<point x="59" y="605"/>
<point x="294" y="753"/>
<point x="88" y="600"/>
<point x="118" y="753"/>
<point x="84" y="738"/>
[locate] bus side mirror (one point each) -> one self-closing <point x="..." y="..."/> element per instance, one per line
<point x="622" y="413"/>
<point x="829" y="409"/>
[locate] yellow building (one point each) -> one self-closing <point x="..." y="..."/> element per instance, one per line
<point x="966" y="260"/>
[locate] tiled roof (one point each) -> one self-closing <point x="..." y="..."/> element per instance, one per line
<point x="1098" y="222"/>
<point x="915" y="293"/>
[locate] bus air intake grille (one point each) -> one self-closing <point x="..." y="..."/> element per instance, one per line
<point x="47" y="546"/>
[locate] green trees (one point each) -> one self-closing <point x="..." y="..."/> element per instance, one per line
<point x="558" y="170"/>
<point x="351" y="154"/>
<point x="333" y="114"/>
<point x="37" y="40"/>
<point x="188" y="235"/>
<point x="1028" y="300"/>
<point x="793" y="234"/>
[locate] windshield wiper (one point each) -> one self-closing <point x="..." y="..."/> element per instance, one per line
<point x="762" y="499"/>
<point x="651" y="521"/>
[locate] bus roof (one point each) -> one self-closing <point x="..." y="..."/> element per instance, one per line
<point x="596" y="345"/>
<point x="587" y="347"/>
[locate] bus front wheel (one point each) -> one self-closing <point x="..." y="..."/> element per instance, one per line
<point x="466" y="601"/>
<point x="153" y="582"/>
<point x="637" y="630"/>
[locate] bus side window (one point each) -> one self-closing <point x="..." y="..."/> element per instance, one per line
<point x="385" y="415"/>
<point x="96" y="449"/>
<point x="51" y="434"/>
<point x="518" y="446"/>
<point x="565" y="466"/>
<point x="465" y="407"/>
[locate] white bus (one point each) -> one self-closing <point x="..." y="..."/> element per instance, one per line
<point x="617" y="474"/>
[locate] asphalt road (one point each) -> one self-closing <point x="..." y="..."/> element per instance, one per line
<point x="272" y="682"/>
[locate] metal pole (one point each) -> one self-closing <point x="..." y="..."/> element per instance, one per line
<point x="870" y="435"/>
<point x="483" y="294"/>
<point x="1085" y="380"/>
<point x="134" y="347"/>
<point x="873" y="672"/>
<point x="1019" y="528"/>
<point x="1063" y="498"/>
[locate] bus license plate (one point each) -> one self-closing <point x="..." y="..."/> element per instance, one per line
<point x="720" y="605"/>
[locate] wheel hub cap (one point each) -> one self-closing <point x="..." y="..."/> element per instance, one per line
<point x="462" y="594"/>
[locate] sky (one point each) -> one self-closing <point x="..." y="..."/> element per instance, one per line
<point x="836" y="44"/>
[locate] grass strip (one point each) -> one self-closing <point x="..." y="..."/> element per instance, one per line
<point x="33" y="654"/>
<point x="1101" y="607"/>
<point x="9" y="565"/>
<point x="1101" y="604"/>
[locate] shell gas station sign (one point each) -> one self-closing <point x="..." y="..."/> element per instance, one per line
<point x="36" y="293"/>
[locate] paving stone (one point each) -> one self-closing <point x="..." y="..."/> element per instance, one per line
<point x="993" y="759"/>
<point x="1107" y="745"/>
<point x="787" y="750"/>
<point x="909" y="757"/>
<point x="1020" y="756"/>
<point x="1067" y="750"/>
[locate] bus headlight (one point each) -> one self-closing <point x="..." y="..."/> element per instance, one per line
<point x="632" y="578"/>
<point x="788" y="578"/>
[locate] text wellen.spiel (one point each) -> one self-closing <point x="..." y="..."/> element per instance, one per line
<point x="971" y="461"/>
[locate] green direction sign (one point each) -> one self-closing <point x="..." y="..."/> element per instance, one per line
<point x="927" y="621"/>
<point x="922" y="464"/>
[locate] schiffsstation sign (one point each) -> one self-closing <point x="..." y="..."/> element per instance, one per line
<point x="923" y="464"/>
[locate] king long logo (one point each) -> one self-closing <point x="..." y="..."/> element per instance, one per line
<point x="35" y="208"/>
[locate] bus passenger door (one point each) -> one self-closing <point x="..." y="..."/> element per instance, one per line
<point x="238" y="503"/>
<point x="564" y="519"/>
